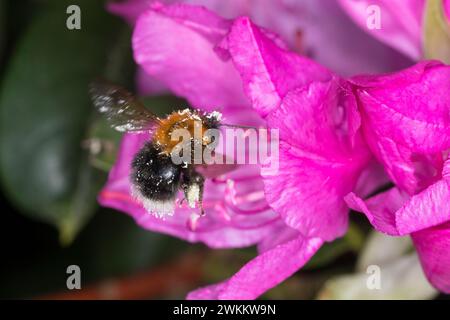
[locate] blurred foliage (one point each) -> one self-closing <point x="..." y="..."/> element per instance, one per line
<point x="2" y="29"/>
<point x="14" y="19"/>
<point x="436" y="34"/>
<point x="44" y="111"/>
<point x="48" y="169"/>
<point x="52" y="143"/>
<point x="352" y="241"/>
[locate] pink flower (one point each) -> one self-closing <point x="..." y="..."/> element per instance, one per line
<point x="322" y="155"/>
<point x="401" y="22"/>
<point x="321" y="147"/>
<point x="316" y="28"/>
<point x="406" y="121"/>
<point x="237" y="213"/>
<point x="187" y="49"/>
<point x="329" y="128"/>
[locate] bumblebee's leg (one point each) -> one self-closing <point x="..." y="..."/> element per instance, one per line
<point x="193" y="185"/>
<point x="201" y="182"/>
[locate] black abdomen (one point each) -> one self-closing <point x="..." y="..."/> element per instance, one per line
<point x="154" y="174"/>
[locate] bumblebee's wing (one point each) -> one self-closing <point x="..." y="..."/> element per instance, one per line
<point x="121" y="108"/>
<point x="215" y="170"/>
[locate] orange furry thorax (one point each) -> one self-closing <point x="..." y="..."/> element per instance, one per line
<point x="184" y="119"/>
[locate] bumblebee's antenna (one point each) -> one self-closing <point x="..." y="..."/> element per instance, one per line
<point x="236" y="126"/>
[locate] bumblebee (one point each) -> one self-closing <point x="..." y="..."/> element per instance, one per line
<point x="155" y="178"/>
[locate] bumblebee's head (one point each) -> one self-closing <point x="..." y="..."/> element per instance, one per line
<point x="212" y="119"/>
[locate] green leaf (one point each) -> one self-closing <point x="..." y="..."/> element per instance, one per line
<point x="45" y="112"/>
<point x="436" y="36"/>
<point x="327" y="254"/>
<point x="2" y="29"/>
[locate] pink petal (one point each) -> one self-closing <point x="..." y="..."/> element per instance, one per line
<point x="319" y="29"/>
<point x="433" y="247"/>
<point x="263" y="272"/>
<point x="401" y="22"/>
<point x="309" y="195"/>
<point x="406" y="121"/>
<point x="147" y="85"/>
<point x="411" y="106"/>
<point x="395" y="213"/>
<point x="317" y="165"/>
<point x="371" y="180"/>
<point x="187" y="63"/>
<point x="380" y="209"/>
<point x="268" y="72"/>
<point x="130" y="9"/>
<point x="447" y="9"/>
<point x="321" y="150"/>
<point x="335" y="41"/>
<point x="428" y="208"/>
<point x="279" y="236"/>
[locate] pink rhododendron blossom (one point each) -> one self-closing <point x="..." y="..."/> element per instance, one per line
<point x="405" y="118"/>
<point x="322" y="153"/>
<point x="401" y="22"/>
<point x="447" y="8"/>
<point x="406" y="121"/>
<point x="316" y="113"/>
<point x="329" y="129"/>
<point x="194" y="53"/>
<point x="316" y="28"/>
<point x="236" y="213"/>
